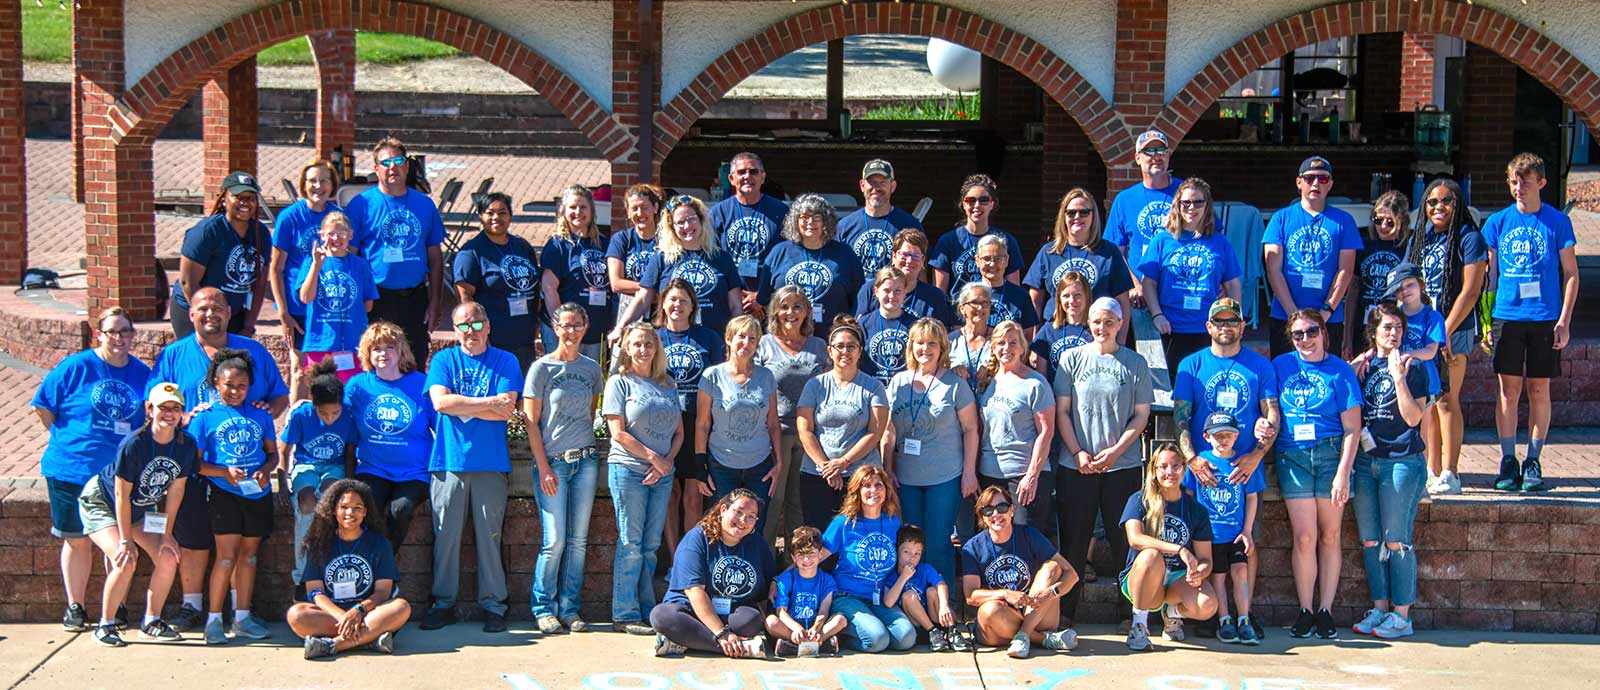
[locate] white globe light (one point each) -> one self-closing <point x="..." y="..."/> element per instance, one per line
<point x="957" y="67"/>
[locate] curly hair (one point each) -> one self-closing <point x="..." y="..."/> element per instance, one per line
<point x="978" y="180"/>
<point x="324" y="528"/>
<point x="230" y="359"/>
<point x="851" y="508"/>
<point x="711" y="522"/>
<point x="382" y="333"/>
<point x="810" y="205"/>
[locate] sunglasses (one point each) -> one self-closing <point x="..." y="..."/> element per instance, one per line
<point x="1447" y="201"/>
<point x="677" y="201"/>
<point x="976" y="200"/>
<point x="471" y="326"/>
<point x="1317" y="179"/>
<point x="392" y="162"/>
<point x="1076" y="213"/>
<point x="1228" y="323"/>
<point x="1001" y="508"/>
<point x="1154" y="150"/>
<point x="1187" y="204"/>
<point x="747" y="171"/>
<point x="1384" y="222"/>
<point x="1308" y="333"/>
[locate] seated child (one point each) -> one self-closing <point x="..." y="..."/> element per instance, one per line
<point x="922" y="593"/>
<point x="1232" y="509"/>
<point x="319" y="442"/>
<point x="801" y="597"/>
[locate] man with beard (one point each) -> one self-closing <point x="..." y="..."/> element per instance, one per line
<point x="869" y="231"/>
<point x="748" y="222"/>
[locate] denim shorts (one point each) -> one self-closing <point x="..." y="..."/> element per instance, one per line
<point x="64" y="520"/>
<point x="308" y="475"/>
<point x="1308" y="472"/>
<point x="1122" y="580"/>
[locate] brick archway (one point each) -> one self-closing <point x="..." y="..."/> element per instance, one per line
<point x="1551" y="64"/>
<point x="1104" y="126"/>
<point x="147" y="106"/>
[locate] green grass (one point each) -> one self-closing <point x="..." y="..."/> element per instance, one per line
<point x="47" y="37"/>
<point x="952" y="108"/>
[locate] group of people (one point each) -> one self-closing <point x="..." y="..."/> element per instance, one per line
<point x="795" y="370"/>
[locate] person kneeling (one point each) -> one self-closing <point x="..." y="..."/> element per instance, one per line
<point x="350" y="577"/>
<point x="801" y="600"/>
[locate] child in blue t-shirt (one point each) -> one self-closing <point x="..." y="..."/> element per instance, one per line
<point x="801" y="599"/>
<point x="318" y="447"/>
<point x="338" y="291"/>
<point x="921" y="592"/>
<point x="1232" y="510"/>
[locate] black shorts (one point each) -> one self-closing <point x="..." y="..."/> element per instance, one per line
<point x="684" y="466"/>
<point x="1526" y="348"/>
<point x="193" y="529"/>
<point x="1226" y="553"/>
<point x="235" y="514"/>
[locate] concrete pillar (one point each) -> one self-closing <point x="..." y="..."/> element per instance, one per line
<point x="13" y="147"/>
<point x="335" y="55"/>
<point x="231" y="110"/>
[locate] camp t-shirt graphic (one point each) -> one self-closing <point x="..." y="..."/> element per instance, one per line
<point x="520" y="275"/>
<point x="699" y="275"/>
<point x="240" y="269"/>
<point x="811" y="276"/>
<point x="1229" y="391"/>
<point x="733" y="577"/>
<point x="389" y="415"/>
<point x="1374" y="270"/>
<point x="1007" y="571"/>
<point x="1074" y="264"/>
<point x="887" y="350"/>
<point x="872" y="248"/>
<point x="115" y="404"/>
<point x="337" y="293"/>
<point x="154" y="480"/>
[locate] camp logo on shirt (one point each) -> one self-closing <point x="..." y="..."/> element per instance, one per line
<point x="875" y="553"/>
<point x="1008" y="571"/>
<point x="1192" y="263"/>
<point x="401" y="230"/>
<point x="872" y="247"/>
<point x="633" y="266"/>
<point x="1175" y="531"/>
<point x="699" y="275"/>
<point x="1433" y="260"/>
<point x="887" y="348"/>
<point x="1225" y="497"/>
<point x="307" y="241"/>
<point x="240" y="269"/>
<point x="733" y="577"/>
<point x="1228" y="381"/>
<point x="1075" y="264"/>
<point x="1375" y="269"/>
<point x="325" y="447"/>
<point x="966" y="270"/>
<point x="1308" y="246"/>
<point x="388" y="414"/>
<point x="337" y="293"/>
<point x="1059" y="348"/>
<point x="745" y="410"/>
<point x="747" y="237"/>
<point x="812" y="277"/>
<point x="471" y="381"/>
<point x="1000" y="310"/>
<point x="594" y="269"/>
<point x="1378" y="391"/>
<point x="114" y="400"/>
<point x="518" y="273"/>
<point x="685" y="362"/>
<point x="237" y="439"/>
<point x="1306" y="391"/>
<point x="803" y="605"/>
<point x="1152" y="216"/>
<point x="153" y="481"/>
<point x="350" y="568"/>
<point x="1525" y="249"/>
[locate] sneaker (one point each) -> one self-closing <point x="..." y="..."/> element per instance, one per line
<point x="1138" y="637"/>
<point x="1510" y="478"/>
<point x="1226" y="631"/>
<point x="958" y="640"/>
<point x="121" y="617"/>
<point x="107" y="636"/>
<point x="1261" y="633"/>
<point x="438" y="617"/>
<point x="633" y="628"/>
<point x="1325" y="627"/>
<point x="937" y="642"/>
<point x="786" y="649"/>
<point x="1019" y="648"/>
<point x="216" y="632"/>
<point x="158" y="631"/>
<point x="550" y="625"/>
<point x="831" y="646"/>
<point x="384" y="644"/>
<point x="576" y="624"/>
<point x="494" y="623"/>
<point x="1303" y="624"/>
<point x="1452" y="483"/>
<point x="251" y="628"/>
<point x="318" y="647"/>
<point x="1172" y="628"/>
<point x="1064" y="640"/>
<point x="1393" y="627"/>
<point x="1370" y="621"/>
<point x="1247" y="632"/>
<point x="665" y="648"/>
<point x="75" y="619"/>
<point x="188" y="618"/>
<point x="1533" y="475"/>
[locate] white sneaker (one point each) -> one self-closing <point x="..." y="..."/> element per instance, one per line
<point x="1020" y="647"/>
<point x="1393" y="627"/>
<point x="1369" y="622"/>
<point x="668" y="649"/>
<point x="1138" y="637"/>
<point x="1172" y="628"/>
<point x="1451" y="482"/>
<point x="1061" y="640"/>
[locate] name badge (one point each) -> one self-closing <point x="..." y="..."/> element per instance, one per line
<point x="816" y="314"/>
<point x="344" y="590"/>
<point x="683" y="402"/>
<point x="393" y="255"/>
<point x="1191" y="302"/>
<point x="122" y="427"/>
<point x="597" y="297"/>
<point x="1228" y="398"/>
<point x="1367" y="441"/>
<point x="1311" y="280"/>
<point x="519" y="306"/>
<point x="249" y="486"/>
<point x="747" y="268"/>
<point x="877" y="598"/>
<point x="912" y="447"/>
<point x="723" y="605"/>
<point x="155" y="523"/>
<point x="1305" y="432"/>
<point x="248" y="295"/>
<point x="344" y="361"/>
<point x="1528" y="290"/>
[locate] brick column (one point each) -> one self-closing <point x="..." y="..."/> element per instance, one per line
<point x="231" y="112"/>
<point x="1416" y="70"/>
<point x="335" y="55"/>
<point x="13" y="147"/>
<point x="1485" y="126"/>
<point x="635" y="93"/>
<point x="1139" y="92"/>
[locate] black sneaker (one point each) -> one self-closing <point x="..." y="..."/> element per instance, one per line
<point x="438" y="617"/>
<point x="1533" y="475"/>
<point x="1325" y="627"/>
<point x="1261" y="633"/>
<point x="1510" y="478"/>
<point x="158" y="631"/>
<point x="937" y="642"/>
<point x="1303" y="625"/>
<point x="76" y="619"/>
<point x="494" y="623"/>
<point x="188" y="619"/>
<point x="785" y="649"/>
<point x="831" y="646"/>
<point x="106" y="636"/>
<point x="122" y="617"/>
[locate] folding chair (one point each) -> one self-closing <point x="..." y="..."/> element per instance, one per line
<point x="289" y="190"/>
<point x="458" y="236"/>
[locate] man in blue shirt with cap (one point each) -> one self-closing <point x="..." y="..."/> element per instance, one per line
<point x="1310" y="256"/>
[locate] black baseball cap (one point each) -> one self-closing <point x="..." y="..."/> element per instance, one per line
<point x="1221" y="421"/>
<point x="238" y="181"/>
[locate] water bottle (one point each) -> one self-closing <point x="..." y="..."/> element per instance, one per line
<point x="1417" y="186"/>
<point x="1466" y="191"/>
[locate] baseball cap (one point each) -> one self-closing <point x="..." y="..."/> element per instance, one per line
<point x="1316" y="163"/>
<point x="1224" y="304"/>
<point x="237" y="181"/>
<point x="877" y="166"/>
<point x="165" y="393"/>
<point x="1398" y="275"/>
<point x="1221" y="421"/>
<point x="1149" y="136"/>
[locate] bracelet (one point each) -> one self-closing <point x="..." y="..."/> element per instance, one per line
<point x="361" y="607"/>
<point x="313" y="594"/>
<point x="724" y="633"/>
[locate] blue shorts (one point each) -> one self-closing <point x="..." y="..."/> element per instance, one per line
<point x="64" y="520"/>
<point x="1461" y="341"/>
<point x="1308" y="472"/>
<point x="307" y="475"/>
<point x="1171" y="577"/>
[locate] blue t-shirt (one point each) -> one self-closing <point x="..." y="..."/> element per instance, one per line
<point x="633" y="251"/>
<point x="886" y="344"/>
<point x="1052" y="343"/>
<point x="150" y="468"/>
<point x="1380" y="410"/>
<point x="738" y="574"/>
<point x="505" y="279"/>
<point x="294" y="233"/>
<point x="1009" y="565"/>
<point x="866" y="552"/>
<point x="580" y="271"/>
<point x="956" y="251"/>
<point x="394" y="234"/>
<point x="689" y="354"/>
<point x="1189" y="274"/>
<point x="1374" y="262"/>
<point x="231" y="262"/>
<point x="1312" y="396"/>
<point x="1137" y="214"/>
<point x="802" y="595"/>
<point x="233" y="437"/>
<point x="1186" y="522"/>
<point x="1425" y="328"/>
<point x="872" y="239"/>
<point x="1311" y="244"/>
<point x="923" y="300"/>
<point x="317" y="443"/>
<point x="829" y="276"/>
<point x="923" y="577"/>
<point x="747" y="233"/>
<point x="394" y="425"/>
<point x="361" y="563"/>
<point x="1472" y="249"/>
<point x="1225" y="502"/>
<point x="712" y="279"/>
<point x="1103" y="266"/>
<point x="336" y="319"/>
<point x="185" y="362"/>
<point x="1011" y="302"/>
<point x="95" y="406"/>
<point x="1235" y="385"/>
<point x="1528" y="260"/>
<point x="471" y="444"/>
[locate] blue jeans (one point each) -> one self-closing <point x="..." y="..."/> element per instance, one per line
<point x="564" y="523"/>
<point x="934" y="509"/>
<point x="1385" y="493"/>
<point x="641" y="515"/>
<point x="725" y="479"/>
<point x="874" y="628"/>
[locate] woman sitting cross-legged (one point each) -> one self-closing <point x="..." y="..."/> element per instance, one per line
<point x="1015" y="577"/>
<point x="350" y="577"/>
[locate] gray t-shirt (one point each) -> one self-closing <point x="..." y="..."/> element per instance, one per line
<point x="791" y="372"/>
<point x="740" y="438"/>
<point x="568" y="390"/>
<point x="1009" y="405"/>
<point x="1104" y="389"/>
<point x="649" y="411"/>
<point x="843" y="415"/>
<point x="931" y="419"/>
<point x="963" y="356"/>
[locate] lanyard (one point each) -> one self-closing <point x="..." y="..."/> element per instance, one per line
<point x="972" y="365"/>
<point x="916" y="402"/>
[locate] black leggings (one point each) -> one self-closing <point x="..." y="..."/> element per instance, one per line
<point x="818" y="501"/>
<point x="398" y="502"/>
<point x="1079" y="497"/>
<point x="1176" y="346"/>
<point x="679" y="624"/>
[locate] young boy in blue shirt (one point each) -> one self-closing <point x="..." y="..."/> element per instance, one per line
<point x="1232" y="509"/>
<point x="921" y="592"/>
<point x="319" y="442"/>
<point x="801" y="598"/>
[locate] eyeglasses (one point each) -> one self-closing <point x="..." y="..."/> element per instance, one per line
<point x="976" y="200"/>
<point x="471" y="326"/>
<point x="1187" y="204"/>
<point x="393" y="162"/>
<point x="847" y="347"/>
<point x="1154" y="150"/>
<point x="1311" y="332"/>
<point x="120" y="332"/>
<point x="978" y="303"/>
<point x="1384" y="221"/>
<point x="1001" y="508"/>
<point x="1228" y="323"/>
<point x="678" y="201"/>
<point x="909" y="256"/>
<point x="1317" y="179"/>
<point x="1447" y="201"/>
<point x="1076" y="213"/>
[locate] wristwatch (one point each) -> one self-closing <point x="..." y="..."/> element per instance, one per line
<point x="1327" y="307"/>
<point x="360" y="607"/>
